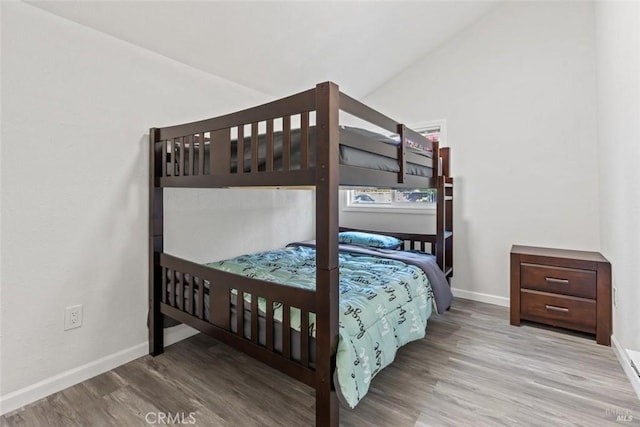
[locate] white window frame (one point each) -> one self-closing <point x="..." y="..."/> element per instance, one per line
<point x="420" y="209"/>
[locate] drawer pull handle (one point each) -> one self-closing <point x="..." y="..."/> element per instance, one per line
<point x="554" y="280"/>
<point x="554" y="308"/>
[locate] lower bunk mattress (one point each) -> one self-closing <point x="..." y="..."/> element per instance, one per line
<point x="386" y="297"/>
<point x="349" y="155"/>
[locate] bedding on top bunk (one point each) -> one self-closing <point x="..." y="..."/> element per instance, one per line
<point x="386" y="297"/>
<point x="348" y="155"/>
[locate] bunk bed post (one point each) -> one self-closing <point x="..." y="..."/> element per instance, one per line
<point x="444" y="155"/>
<point x="156" y="245"/>
<point x="327" y="184"/>
<point x="447" y="184"/>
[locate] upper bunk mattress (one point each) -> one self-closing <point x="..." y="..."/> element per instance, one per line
<point x="348" y="155"/>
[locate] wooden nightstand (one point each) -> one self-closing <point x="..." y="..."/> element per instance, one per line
<point x="570" y="289"/>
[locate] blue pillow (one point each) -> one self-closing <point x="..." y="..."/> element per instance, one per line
<point x="368" y="239"/>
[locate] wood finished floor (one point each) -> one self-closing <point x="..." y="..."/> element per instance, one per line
<point x="472" y="369"/>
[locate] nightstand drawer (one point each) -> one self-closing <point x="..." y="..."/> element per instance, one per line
<point x="559" y="280"/>
<point x="558" y="310"/>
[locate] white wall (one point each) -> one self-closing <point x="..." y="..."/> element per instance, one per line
<point x="76" y="109"/>
<point x="618" y="68"/>
<point x="518" y="92"/>
<point x="224" y="223"/>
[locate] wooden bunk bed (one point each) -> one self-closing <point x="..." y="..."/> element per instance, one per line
<point x="205" y="154"/>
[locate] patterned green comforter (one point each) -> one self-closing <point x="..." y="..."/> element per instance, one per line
<point x="384" y="304"/>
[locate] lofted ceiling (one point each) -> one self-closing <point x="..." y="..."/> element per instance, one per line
<point x="281" y="47"/>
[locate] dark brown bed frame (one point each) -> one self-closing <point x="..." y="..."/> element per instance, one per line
<point x="185" y="302"/>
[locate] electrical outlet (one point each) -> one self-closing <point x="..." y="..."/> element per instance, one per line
<point x="72" y="317"/>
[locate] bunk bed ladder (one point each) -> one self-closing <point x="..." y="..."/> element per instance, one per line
<point x="444" y="213"/>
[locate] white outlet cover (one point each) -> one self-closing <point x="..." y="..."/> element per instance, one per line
<point x="72" y="317"/>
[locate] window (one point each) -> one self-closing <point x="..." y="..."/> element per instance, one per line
<point x="411" y="201"/>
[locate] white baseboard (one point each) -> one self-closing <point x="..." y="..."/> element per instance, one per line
<point x="625" y="361"/>
<point x="635" y="358"/>
<point x="479" y="296"/>
<point x="19" y="398"/>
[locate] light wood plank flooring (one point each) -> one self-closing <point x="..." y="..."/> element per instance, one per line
<point x="472" y="369"/>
